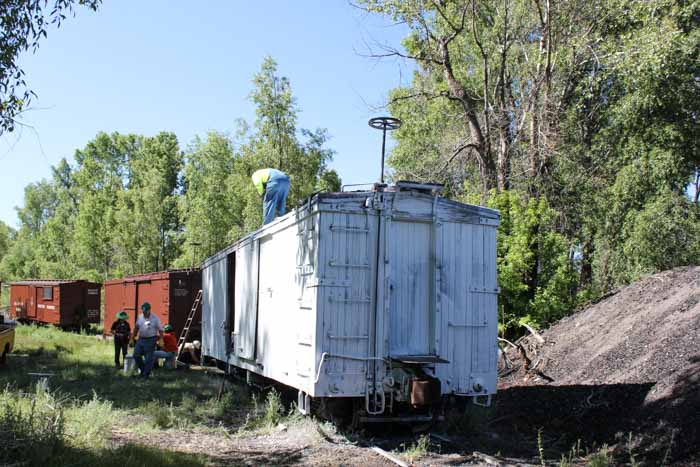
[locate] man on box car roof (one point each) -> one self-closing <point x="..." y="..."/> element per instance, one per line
<point x="148" y="329"/>
<point x="273" y="186"/>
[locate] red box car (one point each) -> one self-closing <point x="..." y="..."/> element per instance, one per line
<point x="170" y="293"/>
<point x="65" y="303"/>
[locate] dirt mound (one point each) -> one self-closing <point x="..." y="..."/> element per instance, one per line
<point x="627" y="364"/>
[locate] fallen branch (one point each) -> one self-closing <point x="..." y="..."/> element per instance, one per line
<point x="500" y="339"/>
<point x="549" y="379"/>
<point x="323" y="434"/>
<point x="486" y="458"/>
<point x="534" y="333"/>
<point x="508" y="372"/>
<point x="388" y="456"/>
<point x="527" y="363"/>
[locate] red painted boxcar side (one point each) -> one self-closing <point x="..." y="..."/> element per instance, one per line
<point x="170" y="294"/>
<point x="66" y="303"/>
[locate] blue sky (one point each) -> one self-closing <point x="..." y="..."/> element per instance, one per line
<point x="186" y="67"/>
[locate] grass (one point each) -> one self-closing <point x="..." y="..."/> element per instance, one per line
<point x="69" y="417"/>
<point x="265" y="417"/>
<point x="416" y="450"/>
<point x="82" y="368"/>
<point x="601" y="458"/>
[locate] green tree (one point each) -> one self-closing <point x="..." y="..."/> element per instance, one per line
<point x="630" y="129"/>
<point x="220" y="203"/>
<point x="329" y="182"/>
<point x="536" y="269"/>
<point x="148" y="223"/>
<point x="274" y="142"/>
<point x="663" y="235"/>
<point x="101" y="174"/>
<point x="7" y="237"/>
<point x="209" y="207"/>
<point x="577" y="119"/>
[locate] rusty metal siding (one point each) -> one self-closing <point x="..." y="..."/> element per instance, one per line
<point x="76" y="300"/>
<point x="115" y="301"/>
<point x="170" y="293"/>
<point x="184" y="286"/>
<point x="49" y="310"/>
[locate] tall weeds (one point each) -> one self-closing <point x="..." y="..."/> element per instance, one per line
<point x="32" y="426"/>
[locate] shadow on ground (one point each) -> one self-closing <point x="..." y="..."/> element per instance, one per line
<point x="136" y="455"/>
<point x="559" y="418"/>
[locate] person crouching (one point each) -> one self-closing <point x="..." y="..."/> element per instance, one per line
<point x="169" y="340"/>
<point x="167" y="347"/>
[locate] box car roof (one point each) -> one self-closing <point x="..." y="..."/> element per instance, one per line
<point x="51" y="282"/>
<point x="146" y="276"/>
<point x="350" y="196"/>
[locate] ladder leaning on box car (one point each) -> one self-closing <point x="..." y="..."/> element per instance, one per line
<point x="186" y="330"/>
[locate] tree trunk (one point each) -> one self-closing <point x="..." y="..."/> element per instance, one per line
<point x="503" y="161"/>
<point x="533" y="150"/>
<point x="586" y="264"/>
<point x="504" y="140"/>
<point x="487" y="166"/>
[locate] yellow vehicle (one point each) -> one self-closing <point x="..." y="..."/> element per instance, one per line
<point x="7" y="339"/>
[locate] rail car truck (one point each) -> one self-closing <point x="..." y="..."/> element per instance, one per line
<point x="383" y="300"/>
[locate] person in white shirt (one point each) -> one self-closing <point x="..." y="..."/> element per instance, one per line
<point x="148" y="330"/>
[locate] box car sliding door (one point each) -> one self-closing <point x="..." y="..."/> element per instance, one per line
<point x="245" y="295"/>
<point x="411" y="287"/>
<point x="215" y="308"/>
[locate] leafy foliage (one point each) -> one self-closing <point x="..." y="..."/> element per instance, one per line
<point x="537" y="277"/>
<point x="578" y="120"/>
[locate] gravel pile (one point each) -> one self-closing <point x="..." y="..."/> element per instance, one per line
<point x="630" y="362"/>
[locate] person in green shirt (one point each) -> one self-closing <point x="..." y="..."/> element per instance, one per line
<point x="273" y="186"/>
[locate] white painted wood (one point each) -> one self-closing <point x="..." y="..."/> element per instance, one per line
<point x="318" y="309"/>
<point x="214" y="306"/>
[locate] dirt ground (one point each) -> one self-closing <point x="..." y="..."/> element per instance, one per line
<point x="302" y="442"/>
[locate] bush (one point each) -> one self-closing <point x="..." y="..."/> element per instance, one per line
<point x="267" y="416"/>
<point x="536" y="271"/>
<point x="274" y="409"/>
